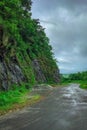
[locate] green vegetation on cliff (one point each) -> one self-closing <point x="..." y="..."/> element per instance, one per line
<point x="25" y="52"/>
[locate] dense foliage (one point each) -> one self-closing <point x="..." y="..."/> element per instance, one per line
<point x="80" y="77"/>
<point x="24" y="40"/>
<point x="75" y="76"/>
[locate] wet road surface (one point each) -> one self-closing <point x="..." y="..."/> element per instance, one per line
<point x="63" y="109"/>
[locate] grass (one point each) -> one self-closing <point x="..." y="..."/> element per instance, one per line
<point x="83" y="83"/>
<point x="16" y="98"/>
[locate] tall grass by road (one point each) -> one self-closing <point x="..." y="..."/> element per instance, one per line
<point x="17" y="97"/>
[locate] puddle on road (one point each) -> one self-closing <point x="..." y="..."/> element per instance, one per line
<point x="74" y="95"/>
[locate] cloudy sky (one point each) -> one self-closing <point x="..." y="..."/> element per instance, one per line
<point x="66" y="26"/>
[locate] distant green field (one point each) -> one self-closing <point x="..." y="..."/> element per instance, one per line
<point x="65" y="75"/>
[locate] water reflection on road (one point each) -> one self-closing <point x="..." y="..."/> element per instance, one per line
<point x="75" y="95"/>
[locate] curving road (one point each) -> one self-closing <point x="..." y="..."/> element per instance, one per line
<point x="63" y="109"/>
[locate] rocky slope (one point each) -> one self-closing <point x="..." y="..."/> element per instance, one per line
<point x="25" y="53"/>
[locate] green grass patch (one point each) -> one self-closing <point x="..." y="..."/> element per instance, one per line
<point x="16" y="98"/>
<point x="84" y="86"/>
<point x="83" y="83"/>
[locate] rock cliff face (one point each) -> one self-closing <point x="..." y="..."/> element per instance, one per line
<point x="10" y="74"/>
<point x="26" y="57"/>
<point x="40" y="77"/>
<point x="17" y="67"/>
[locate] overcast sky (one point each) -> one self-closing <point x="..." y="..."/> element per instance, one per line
<point x="66" y="26"/>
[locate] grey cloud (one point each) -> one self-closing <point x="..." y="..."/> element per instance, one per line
<point x="53" y="4"/>
<point x="66" y="26"/>
<point x="72" y="34"/>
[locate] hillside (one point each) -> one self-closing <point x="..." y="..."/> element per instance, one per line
<point x="25" y="53"/>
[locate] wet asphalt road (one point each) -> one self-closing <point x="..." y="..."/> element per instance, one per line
<point x="63" y="109"/>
